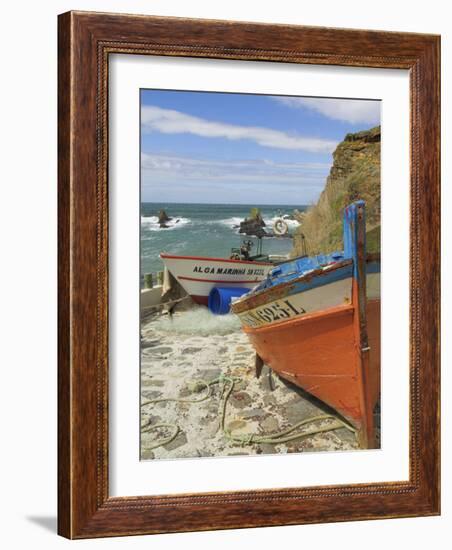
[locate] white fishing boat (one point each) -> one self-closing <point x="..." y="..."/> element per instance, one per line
<point x="198" y="275"/>
<point x="241" y="272"/>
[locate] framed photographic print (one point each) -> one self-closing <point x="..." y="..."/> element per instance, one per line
<point x="248" y="275"/>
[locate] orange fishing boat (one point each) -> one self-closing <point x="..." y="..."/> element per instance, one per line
<point x="316" y="322"/>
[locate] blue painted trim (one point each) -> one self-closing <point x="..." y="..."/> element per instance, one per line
<point x="350" y="225"/>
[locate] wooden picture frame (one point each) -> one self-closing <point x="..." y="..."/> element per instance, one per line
<point x="86" y="40"/>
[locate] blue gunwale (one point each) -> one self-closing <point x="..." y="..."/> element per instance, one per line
<point x="306" y="281"/>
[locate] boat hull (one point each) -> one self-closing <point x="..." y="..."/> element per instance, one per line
<point x="316" y="322"/>
<point x="319" y="353"/>
<point x="309" y="332"/>
<point x="199" y="275"/>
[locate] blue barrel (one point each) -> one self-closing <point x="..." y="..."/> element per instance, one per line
<point x="220" y="299"/>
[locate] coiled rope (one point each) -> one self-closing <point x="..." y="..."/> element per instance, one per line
<point x="227" y="384"/>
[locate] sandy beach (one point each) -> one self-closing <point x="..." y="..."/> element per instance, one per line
<point x="193" y="345"/>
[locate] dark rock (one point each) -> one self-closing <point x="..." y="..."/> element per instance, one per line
<point x="254" y="224"/>
<point x="163" y="218"/>
<point x="252" y="227"/>
<point x="255" y="214"/>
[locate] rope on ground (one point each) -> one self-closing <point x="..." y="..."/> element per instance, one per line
<point x="227" y="384"/>
<point x="198" y="386"/>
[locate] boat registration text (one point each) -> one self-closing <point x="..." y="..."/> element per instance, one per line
<point x="297" y="304"/>
<point x="276" y="311"/>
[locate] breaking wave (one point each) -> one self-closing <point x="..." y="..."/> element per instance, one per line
<point x="231" y="222"/>
<point x="234" y="222"/>
<point x="151" y="223"/>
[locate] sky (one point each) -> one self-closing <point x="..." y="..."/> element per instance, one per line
<point x="205" y="147"/>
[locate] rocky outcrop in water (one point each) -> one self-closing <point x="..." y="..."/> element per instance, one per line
<point x="254" y="225"/>
<point x="355" y="174"/>
<point x="163" y="219"/>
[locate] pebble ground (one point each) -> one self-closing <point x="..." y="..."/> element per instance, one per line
<point x="191" y="346"/>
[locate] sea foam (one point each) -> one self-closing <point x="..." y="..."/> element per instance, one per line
<point x="199" y="321"/>
<point x="230" y="222"/>
<point x="151" y="223"/>
<point x="234" y="223"/>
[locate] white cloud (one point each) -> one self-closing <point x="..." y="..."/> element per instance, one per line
<point x="169" y="121"/>
<point x="171" y="168"/>
<point x="347" y="110"/>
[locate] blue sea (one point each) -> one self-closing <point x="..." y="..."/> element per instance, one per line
<point x="204" y="230"/>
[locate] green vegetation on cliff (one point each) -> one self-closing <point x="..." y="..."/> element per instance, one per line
<point x="355" y="174"/>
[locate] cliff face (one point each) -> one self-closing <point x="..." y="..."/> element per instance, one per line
<point x="355" y="174"/>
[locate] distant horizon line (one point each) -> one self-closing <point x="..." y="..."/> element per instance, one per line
<point x="228" y="203"/>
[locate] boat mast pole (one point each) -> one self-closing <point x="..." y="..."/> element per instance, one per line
<point x="355" y="248"/>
